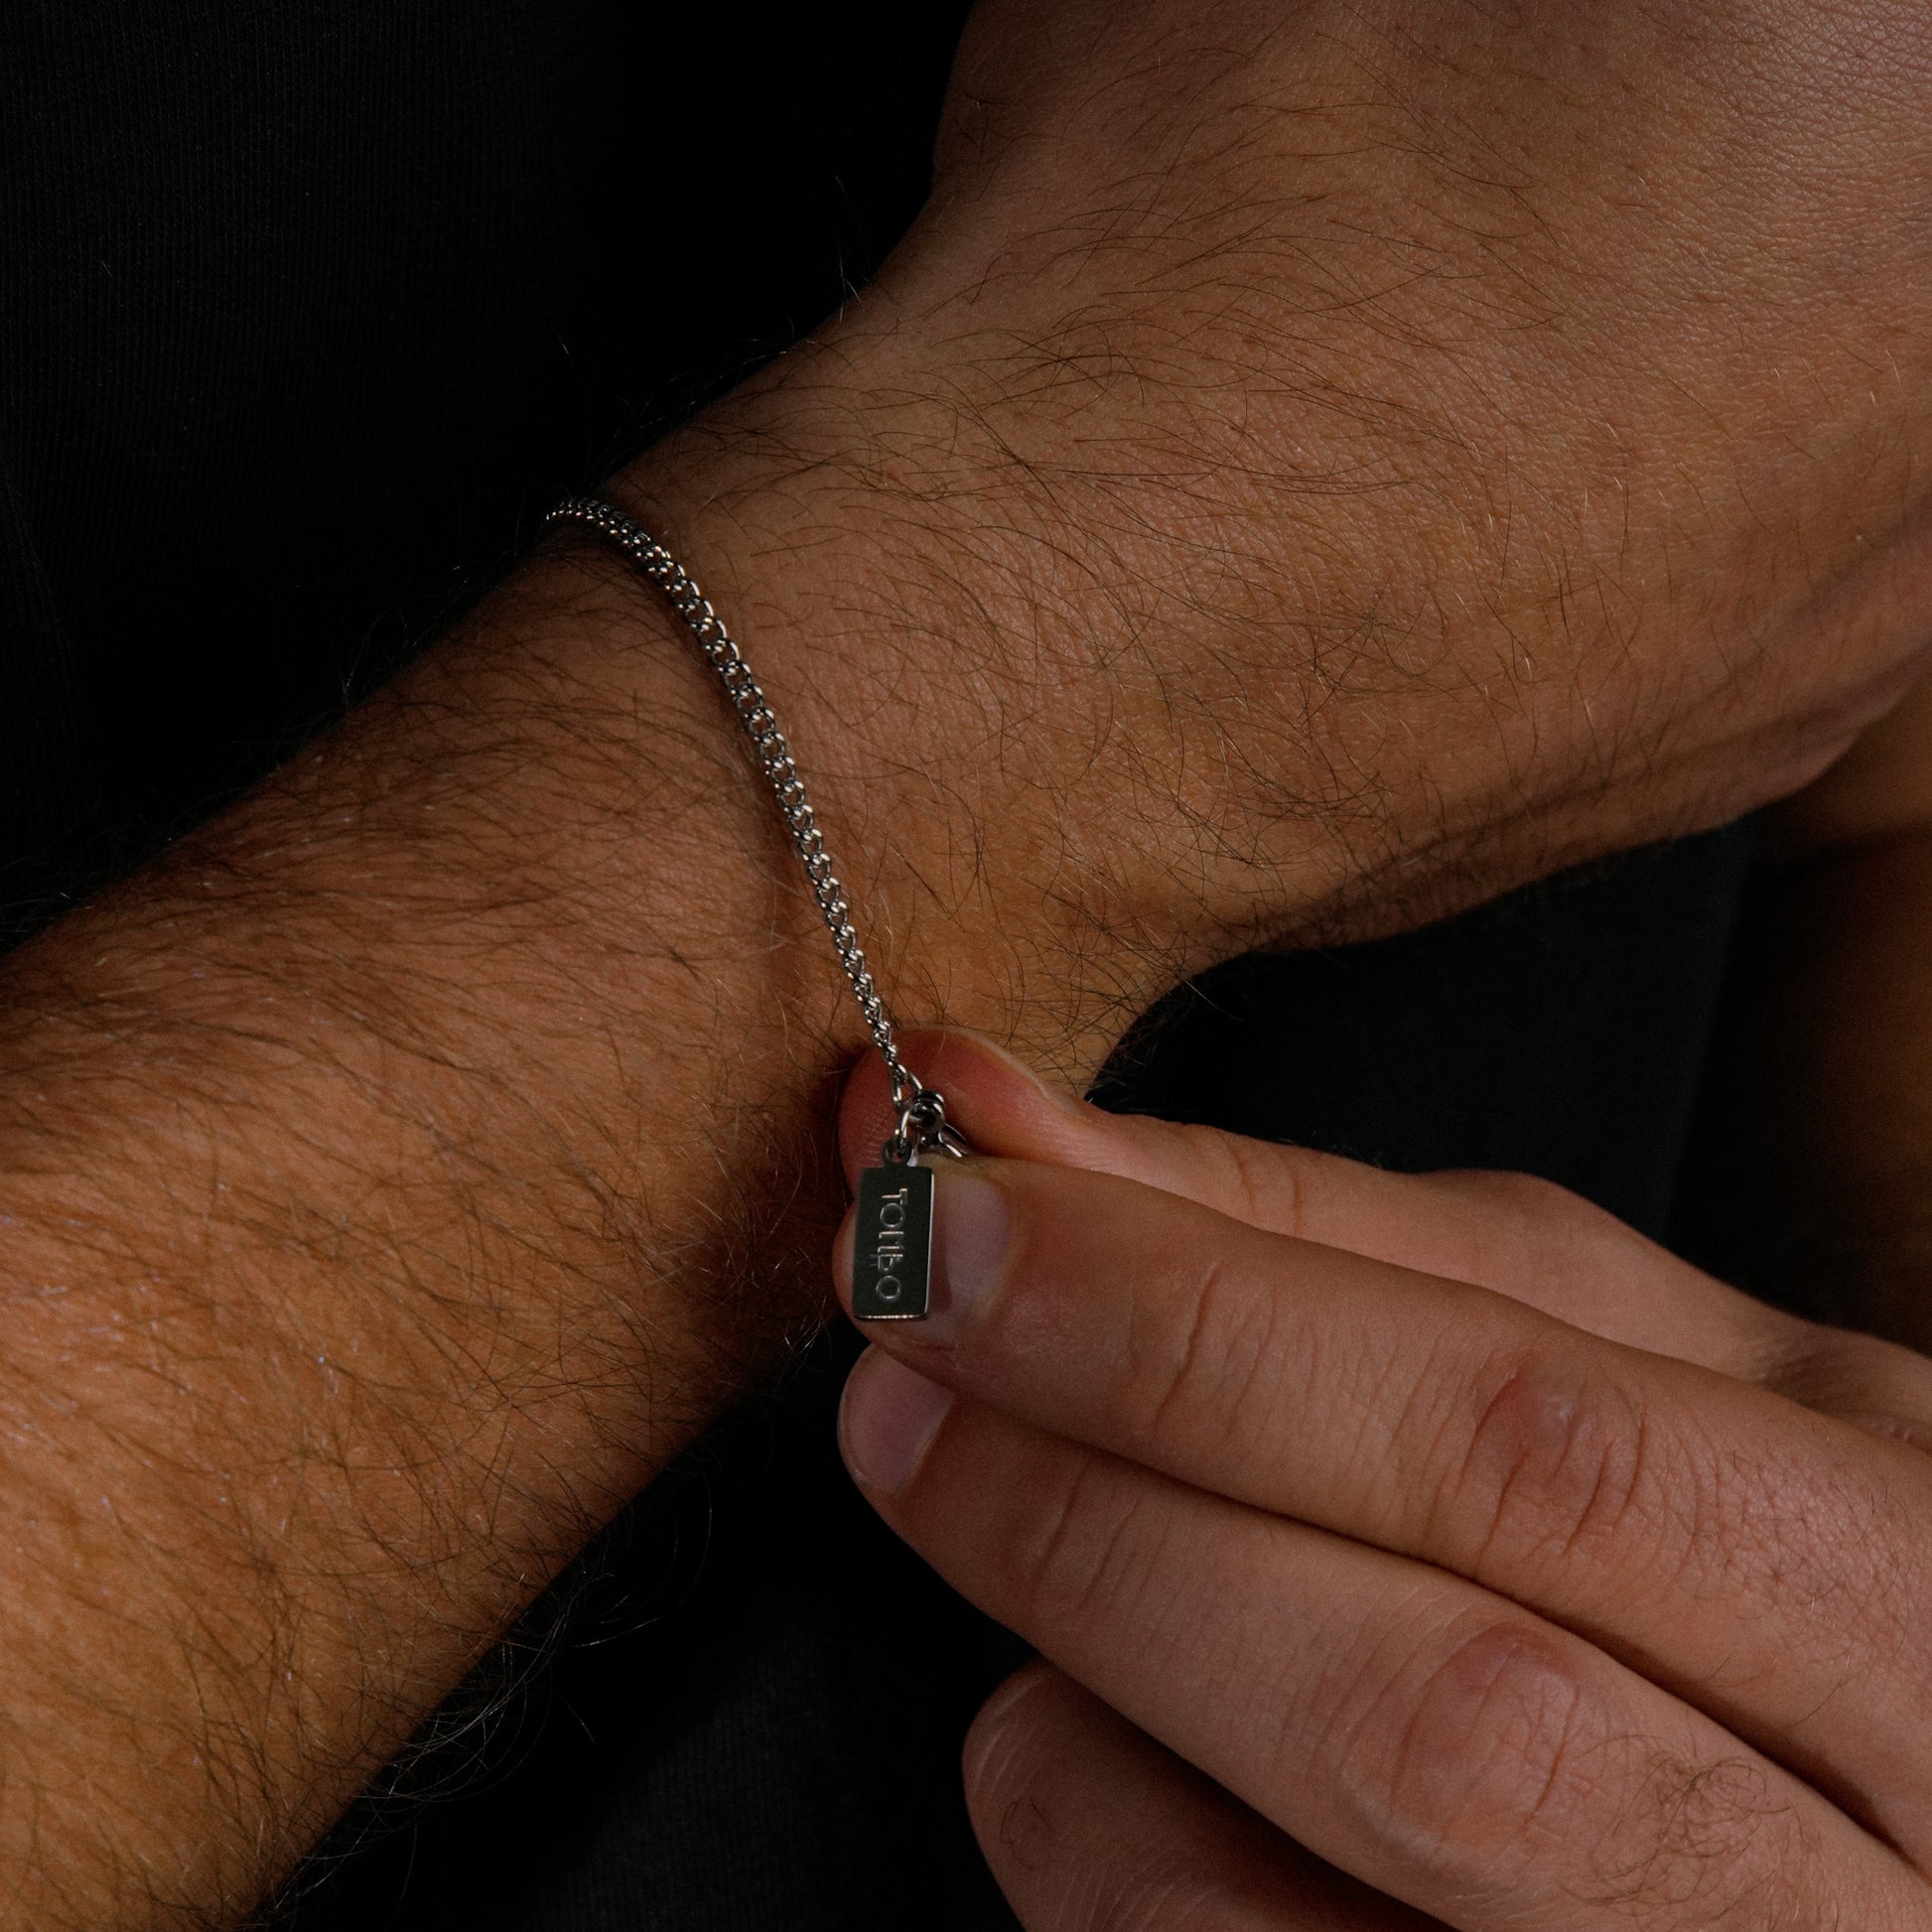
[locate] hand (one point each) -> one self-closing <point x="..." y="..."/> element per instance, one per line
<point x="1313" y="465"/>
<point x="1471" y="1541"/>
<point x="1306" y="468"/>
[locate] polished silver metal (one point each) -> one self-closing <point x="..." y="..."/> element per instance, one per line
<point x="922" y="1125"/>
<point x="923" y="1129"/>
<point x="892" y="1244"/>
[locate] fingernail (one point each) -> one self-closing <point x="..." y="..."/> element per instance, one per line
<point x="886" y="1418"/>
<point x="972" y="1226"/>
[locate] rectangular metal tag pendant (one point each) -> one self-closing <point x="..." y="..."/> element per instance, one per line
<point x="892" y="1259"/>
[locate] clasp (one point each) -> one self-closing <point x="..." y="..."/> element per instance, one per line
<point x="923" y="1129"/>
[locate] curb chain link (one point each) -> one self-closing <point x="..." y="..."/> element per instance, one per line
<point x="922" y="1112"/>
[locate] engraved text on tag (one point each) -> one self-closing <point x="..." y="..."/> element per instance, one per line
<point x="891" y="1260"/>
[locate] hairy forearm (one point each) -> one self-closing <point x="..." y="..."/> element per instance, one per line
<point x="381" y="1177"/>
<point x="1241" y="517"/>
<point x="396" y="1173"/>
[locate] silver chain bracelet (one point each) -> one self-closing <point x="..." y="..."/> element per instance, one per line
<point x="891" y="1267"/>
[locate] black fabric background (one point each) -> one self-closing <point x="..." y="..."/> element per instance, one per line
<point x="305" y="313"/>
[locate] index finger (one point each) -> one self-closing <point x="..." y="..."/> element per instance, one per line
<point x="1522" y="1237"/>
<point x="1689" y="1524"/>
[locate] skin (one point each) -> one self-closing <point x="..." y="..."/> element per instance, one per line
<point x="1486" y="1552"/>
<point x="1305" y="471"/>
<point x="1434" y="1535"/>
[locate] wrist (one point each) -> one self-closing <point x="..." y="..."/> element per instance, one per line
<point x="1031" y="837"/>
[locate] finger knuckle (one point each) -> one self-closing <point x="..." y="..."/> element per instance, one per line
<point x="1266" y="1183"/>
<point x="1257" y="1182"/>
<point x="1521" y="1196"/>
<point x="1458" y="1748"/>
<point x="1200" y="1361"/>
<point x="1554" y="1235"/>
<point x="1558" y="1461"/>
<point x="1093" y="1551"/>
<point x="1879" y="1385"/>
<point x="1561" y="1466"/>
<point x="1491" y="1761"/>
